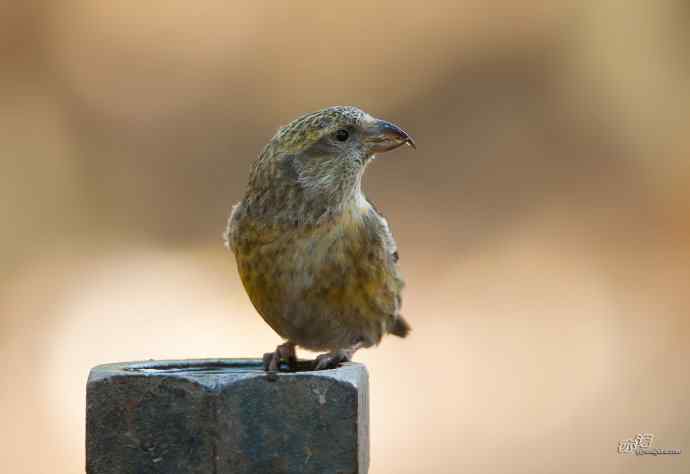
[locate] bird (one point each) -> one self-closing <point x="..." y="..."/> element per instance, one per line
<point x="315" y="256"/>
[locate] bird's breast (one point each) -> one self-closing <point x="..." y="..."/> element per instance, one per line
<point x="333" y="270"/>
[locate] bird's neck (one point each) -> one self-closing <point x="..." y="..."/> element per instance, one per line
<point x="297" y="194"/>
<point x="348" y="203"/>
<point x="292" y="207"/>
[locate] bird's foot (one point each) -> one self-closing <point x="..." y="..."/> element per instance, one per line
<point x="332" y="360"/>
<point x="286" y="352"/>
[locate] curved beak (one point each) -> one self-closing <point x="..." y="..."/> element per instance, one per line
<point x="384" y="136"/>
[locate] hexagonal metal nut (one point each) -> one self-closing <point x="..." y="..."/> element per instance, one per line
<point x="225" y="416"/>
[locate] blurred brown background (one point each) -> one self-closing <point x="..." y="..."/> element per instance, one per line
<point x="543" y="220"/>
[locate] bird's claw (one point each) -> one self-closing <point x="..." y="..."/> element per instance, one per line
<point x="272" y="360"/>
<point x="330" y="360"/>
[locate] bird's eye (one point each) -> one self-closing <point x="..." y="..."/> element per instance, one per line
<point x="342" y="135"/>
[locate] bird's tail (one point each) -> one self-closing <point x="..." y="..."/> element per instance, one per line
<point x="400" y="327"/>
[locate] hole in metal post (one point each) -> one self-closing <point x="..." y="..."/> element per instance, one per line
<point x="210" y="366"/>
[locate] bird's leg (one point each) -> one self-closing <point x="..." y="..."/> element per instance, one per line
<point x="331" y="360"/>
<point x="285" y="351"/>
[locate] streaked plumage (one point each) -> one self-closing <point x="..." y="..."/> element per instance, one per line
<point x="317" y="260"/>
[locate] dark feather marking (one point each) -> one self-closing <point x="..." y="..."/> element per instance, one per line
<point x="287" y="165"/>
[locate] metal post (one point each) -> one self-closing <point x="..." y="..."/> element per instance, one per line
<point x="225" y="416"/>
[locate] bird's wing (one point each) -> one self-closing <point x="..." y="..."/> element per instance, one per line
<point x="389" y="297"/>
<point x="384" y="230"/>
<point x="398" y="326"/>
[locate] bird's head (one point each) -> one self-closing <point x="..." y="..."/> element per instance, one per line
<point x="324" y="153"/>
<point x="342" y="131"/>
